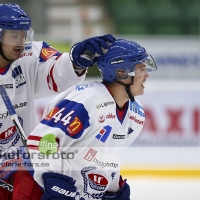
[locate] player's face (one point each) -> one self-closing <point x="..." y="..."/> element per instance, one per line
<point x="12" y="52"/>
<point x="137" y="88"/>
<point x="13" y="43"/>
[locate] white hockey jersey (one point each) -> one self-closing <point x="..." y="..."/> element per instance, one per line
<point x="40" y="71"/>
<point x="82" y="136"/>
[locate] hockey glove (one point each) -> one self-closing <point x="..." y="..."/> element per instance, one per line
<point x="58" y="187"/>
<point x="122" y="194"/>
<point x="84" y="54"/>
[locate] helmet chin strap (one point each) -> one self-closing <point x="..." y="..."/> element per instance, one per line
<point x="2" y="54"/>
<point x="128" y="90"/>
<point x="127" y="87"/>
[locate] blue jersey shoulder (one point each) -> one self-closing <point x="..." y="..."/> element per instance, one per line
<point x="47" y="52"/>
<point x="69" y="116"/>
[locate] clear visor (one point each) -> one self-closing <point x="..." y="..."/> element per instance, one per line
<point x="145" y="67"/>
<point x="17" y="37"/>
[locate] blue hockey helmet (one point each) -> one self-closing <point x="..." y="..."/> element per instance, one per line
<point x="15" y="21"/>
<point x="123" y="56"/>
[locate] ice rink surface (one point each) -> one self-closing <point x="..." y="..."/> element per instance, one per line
<point x="148" y="188"/>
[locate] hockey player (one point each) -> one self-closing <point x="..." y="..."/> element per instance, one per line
<point x="30" y="70"/>
<point x="85" y="130"/>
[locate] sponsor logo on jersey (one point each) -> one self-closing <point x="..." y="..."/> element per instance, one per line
<point x="1" y="124"/>
<point x="104" y="164"/>
<point x="115" y="136"/>
<point x="101" y="118"/>
<point x="75" y="126"/>
<point x="135" y="119"/>
<point x="18" y="76"/>
<point x="48" y="144"/>
<point x="4" y="115"/>
<point x="104" y="133"/>
<point x="83" y="86"/>
<point x="51" y="113"/>
<point x="135" y="107"/>
<point x="97" y="182"/>
<point x="8" y="135"/>
<point x="110" y="115"/>
<point x="47" y="52"/>
<point x="28" y="47"/>
<point x="16" y="106"/>
<point x="105" y="104"/>
<point x="8" y="86"/>
<point x="26" y="54"/>
<point x="90" y="154"/>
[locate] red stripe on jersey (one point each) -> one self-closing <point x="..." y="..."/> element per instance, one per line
<point x="34" y="147"/>
<point x="33" y="137"/>
<point x="38" y="138"/>
<point x="48" y="81"/>
<point x="55" y="88"/>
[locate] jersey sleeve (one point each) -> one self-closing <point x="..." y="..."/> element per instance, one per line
<point x="62" y="125"/>
<point x="54" y="71"/>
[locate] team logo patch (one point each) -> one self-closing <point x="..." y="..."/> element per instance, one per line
<point x="8" y="135"/>
<point x="94" y="184"/>
<point x="97" y="182"/>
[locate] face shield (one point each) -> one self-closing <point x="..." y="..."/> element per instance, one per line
<point x="142" y="68"/>
<point x="17" y="37"/>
